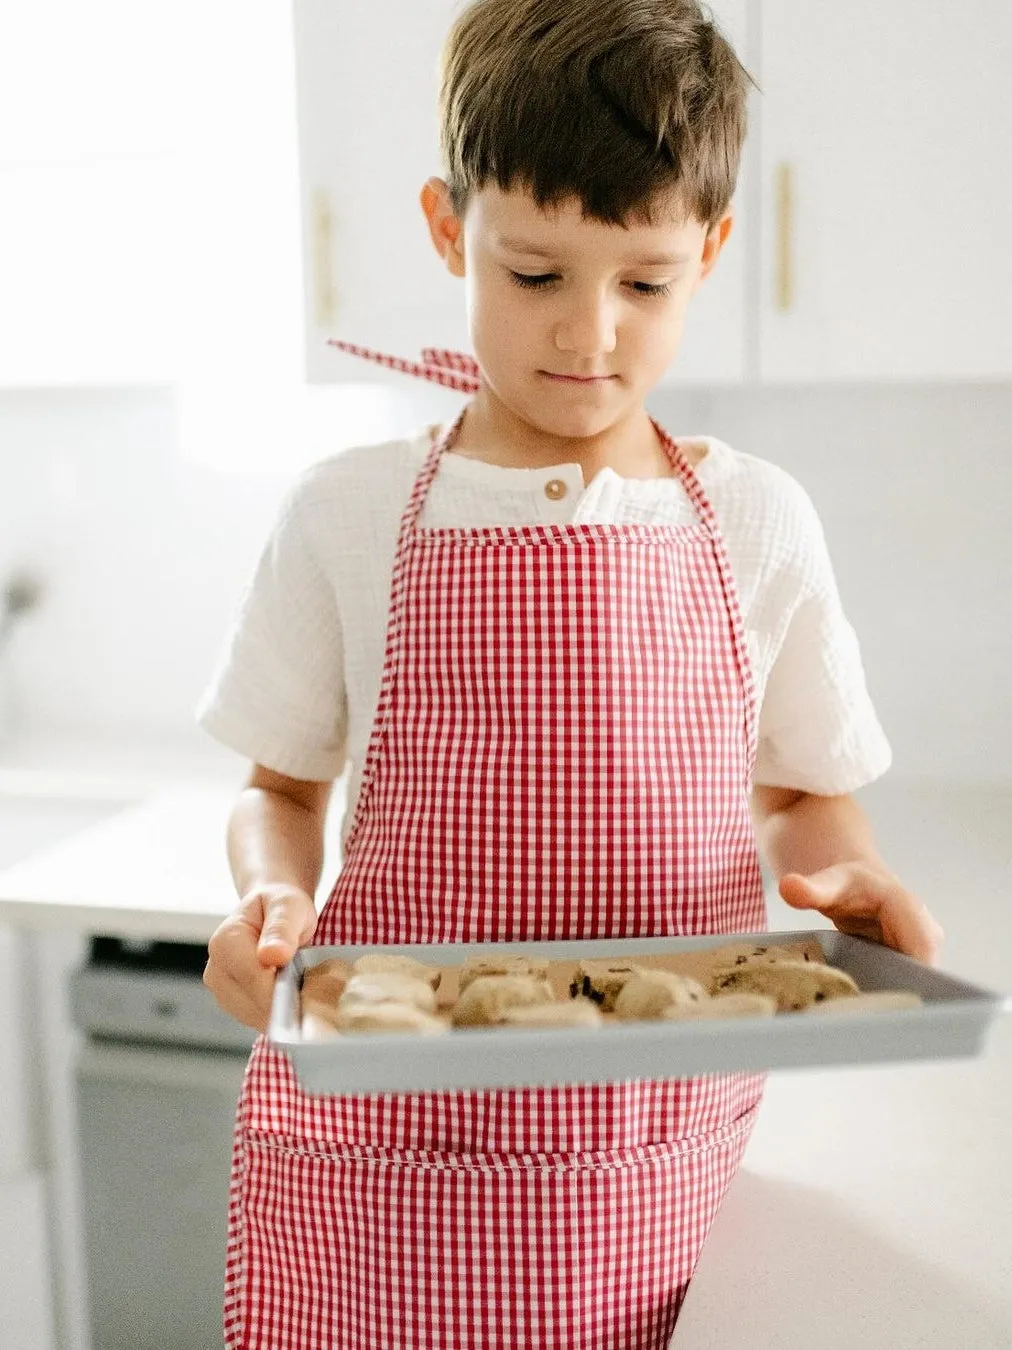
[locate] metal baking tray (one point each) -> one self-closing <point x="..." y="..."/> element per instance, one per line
<point x="953" y="1023"/>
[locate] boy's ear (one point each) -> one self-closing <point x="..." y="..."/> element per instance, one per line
<point x="716" y="237"/>
<point x="444" y="226"/>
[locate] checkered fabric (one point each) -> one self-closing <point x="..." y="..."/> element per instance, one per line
<point x="454" y="370"/>
<point x="563" y="748"/>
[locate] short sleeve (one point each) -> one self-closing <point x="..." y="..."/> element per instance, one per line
<point x="278" y="693"/>
<point x="818" y="731"/>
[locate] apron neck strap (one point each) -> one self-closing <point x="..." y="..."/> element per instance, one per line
<point x="453" y="370"/>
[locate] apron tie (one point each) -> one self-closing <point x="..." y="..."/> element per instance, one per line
<point x="454" y="370"/>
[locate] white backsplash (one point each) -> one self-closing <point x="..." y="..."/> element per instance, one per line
<point x="145" y="553"/>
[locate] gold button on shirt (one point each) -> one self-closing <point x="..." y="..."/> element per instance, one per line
<point x="555" y="489"/>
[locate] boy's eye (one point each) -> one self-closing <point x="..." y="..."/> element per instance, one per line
<point x="534" y="283"/>
<point x="648" y="288"/>
<point x="539" y="282"/>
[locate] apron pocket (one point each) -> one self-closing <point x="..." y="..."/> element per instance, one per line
<point x="406" y="1249"/>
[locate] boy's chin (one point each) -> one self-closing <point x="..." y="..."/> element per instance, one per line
<point x="553" y="416"/>
<point x="572" y="424"/>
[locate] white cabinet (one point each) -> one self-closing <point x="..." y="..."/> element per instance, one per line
<point x="714" y="348"/>
<point x="151" y="177"/>
<point x="369" y="137"/>
<point x="872" y="215"/>
<point x="89" y="193"/>
<point x="26" y="1318"/>
<point x="368" y="83"/>
<point x="38" y="1260"/>
<point x="892" y="123"/>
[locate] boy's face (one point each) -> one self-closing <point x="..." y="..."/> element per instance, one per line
<point x="552" y="296"/>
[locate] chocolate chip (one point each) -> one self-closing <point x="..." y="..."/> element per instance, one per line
<point x="819" y="997"/>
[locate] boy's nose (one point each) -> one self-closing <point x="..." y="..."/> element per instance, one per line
<point x="587" y="330"/>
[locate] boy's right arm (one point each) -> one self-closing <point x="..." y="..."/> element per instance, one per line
<point x="275" y="850"/>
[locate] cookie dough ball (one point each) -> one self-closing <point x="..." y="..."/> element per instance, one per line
<point x="486" y="1000"/>
<point x="316" y="1025"/>
<point x="878" y="1000"/>
<point x="747" y="953"/>
<point x="390" y="1016"/>
<point x="727" y="1005"/>
<point x="793" y="984"/>
<point x="383" y="963"/>
<point x="325" y="982"/>
<point x="652" y="992"/>
<point x="323" y="1009"/>
<point x="575" y="1012"/>
<point x="483" y="967"/>
<point x="602" y="981"/>
<point x="382" y="988"/>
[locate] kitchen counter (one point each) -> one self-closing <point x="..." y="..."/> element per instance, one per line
<point x="873" y="1206"/>
<point x="155" y="870"/>
<point x="155" y="867"/>
<point x="85" y="767"/>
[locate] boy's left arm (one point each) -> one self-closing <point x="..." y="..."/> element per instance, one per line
<point x="823" y="854"/>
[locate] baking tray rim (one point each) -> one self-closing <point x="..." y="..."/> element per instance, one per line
<point x="957" y="1004"/>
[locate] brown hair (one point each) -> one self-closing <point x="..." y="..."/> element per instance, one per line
<point x="610" y="101"/>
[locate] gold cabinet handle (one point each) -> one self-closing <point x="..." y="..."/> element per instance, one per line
<point x="784" y="284"/>
<point x="324" y="296"/>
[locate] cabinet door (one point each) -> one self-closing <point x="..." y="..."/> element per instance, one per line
<point x="369" y="137"/>
<point x="886" y="210"/>
<point x="367" y="80"/>
<point x="714" y="346"/>
<point x="26" y="1318"/>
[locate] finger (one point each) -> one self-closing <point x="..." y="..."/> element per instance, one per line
<point x="909" y="928"/>
<point x="234" y="974"/>
<point x="286" y="927"/>
<point x="866" y="903"/>
<point x="794" y="888"/>
<point x="821" y="890"/>
<point x="876" y="900"/>
<point x="238" y="1004"/>
<point x="234" y="998"/>
<point x="847" y="888"/>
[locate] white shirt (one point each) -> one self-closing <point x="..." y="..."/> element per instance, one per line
<point x="298" y="681"/>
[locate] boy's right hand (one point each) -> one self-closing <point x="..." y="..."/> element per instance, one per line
<point x="246" y="949"/>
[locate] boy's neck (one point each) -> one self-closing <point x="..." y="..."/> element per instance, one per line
<point x="493" y="434"/>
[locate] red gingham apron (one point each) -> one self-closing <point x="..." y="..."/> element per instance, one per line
<point x="563" y="748"/>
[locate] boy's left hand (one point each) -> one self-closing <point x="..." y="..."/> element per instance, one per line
<point x="867" y="901"/>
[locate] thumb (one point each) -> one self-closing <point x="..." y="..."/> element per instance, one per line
<point x="289" y="921"/>
<point x="802" y="892"/>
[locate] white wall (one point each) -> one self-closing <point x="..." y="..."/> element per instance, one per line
<point x="146" y="553"/>
<point x="914" y="487"/>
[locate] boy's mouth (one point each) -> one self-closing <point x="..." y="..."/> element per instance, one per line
<point x="577" y="379"/>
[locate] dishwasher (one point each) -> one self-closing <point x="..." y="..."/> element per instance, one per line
<point x="157" y="1074"/>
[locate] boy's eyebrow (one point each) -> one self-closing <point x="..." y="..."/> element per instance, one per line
<point x="533" y="251"/>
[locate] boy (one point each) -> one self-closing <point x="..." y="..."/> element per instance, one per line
<point x="577" y="667"/>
